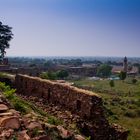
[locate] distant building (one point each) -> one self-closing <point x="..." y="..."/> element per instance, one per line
<point x="125" y="65"/>
<point x="83" y="71"/>
<point x="129" y="70"/>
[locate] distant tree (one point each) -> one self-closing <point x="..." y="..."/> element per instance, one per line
<point x="49" y="64"/>
<point x="112" y="83"/>
<point x="76" y="62"/>
<point x="136" y="64"/>
<point x="32" y="65"/>
<point x="104" y="70"/>
<point x="5" y="37"/>
<point x="52" y="75"/>
<point x="134" y="81"/>
<point x="62" y="74"/>
<point x="48" y="75"/>
<point x="122" y="75"/>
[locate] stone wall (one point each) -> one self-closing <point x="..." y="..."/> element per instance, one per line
<point x="82" y="102"/>
<point x="86" y="104"/>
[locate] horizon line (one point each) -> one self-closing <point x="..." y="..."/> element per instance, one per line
<point x="72" y="56"/>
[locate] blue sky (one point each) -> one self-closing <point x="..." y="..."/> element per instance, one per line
<point x="73" y="27"/>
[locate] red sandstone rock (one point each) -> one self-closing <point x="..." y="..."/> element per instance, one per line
<point x="15" y="113"/>
<point x="34" y="125"/>
<point x="64" y="133"/>
<point x="26" y="121"/>
<point x="6" y="114"/>
<point x="49" y="126"/>
<point x="23" y="135"/>
<point x="10" y="122"/>
<point x="6" y="134"/>
<point x="79" y="137"/>
<point x="3" y="108"/>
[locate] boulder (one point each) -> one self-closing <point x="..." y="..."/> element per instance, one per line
<point x="6" y="134"/>
<point x="3" y="108"/>
<point x="23" y="135"/>
<point x="49" y="126"/>
<point x="10" y="122"/>
<point x="33" y="125"/>
<point x="15" y="113"/>
<point x="65" y="134"/>
<point x="79" y="137"/>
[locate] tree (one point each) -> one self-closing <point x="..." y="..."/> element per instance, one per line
<point x="49" y="64"/>
<point x="32" y="65"/>
<point x="62" y="74"/>
<point x="104" y="70"/>
<point x="112" y="84"/>
<point x="122" y="75"/>
<point x="5" y="38"/>
<point x="48" y="75"/>
<point x="134" y="81"/>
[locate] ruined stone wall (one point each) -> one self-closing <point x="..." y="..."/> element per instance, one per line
<point x="84" y="103"/>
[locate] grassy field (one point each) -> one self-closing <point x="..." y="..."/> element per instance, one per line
<point x="122" y="102"/>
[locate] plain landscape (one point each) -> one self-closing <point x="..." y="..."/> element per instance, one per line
<point x="100" y="75"/>
<point x="69" y="70"/>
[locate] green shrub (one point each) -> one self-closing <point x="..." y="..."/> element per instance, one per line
<point x="62" y="74"/>
<point x="3" y="87"/>
<point x="137" y="102"/>
<point x="88" y="138"/>
<point x="20" y="107"/>
<point x="111" y="83"/>
<point x="9" y="93"/>
<point x="134" y="81"/>
<point x="122" y="75"/>
<point x="108" y="111"/>
<point x="130" y="114"/>
<point x="138" y="112"/>
<point x="54" y="121"/>
<point x="3" y="75"/>
<point x="48" y="75"/>
<point x="35" y="132"/>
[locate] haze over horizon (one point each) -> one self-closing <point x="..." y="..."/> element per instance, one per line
<point x="72" y="27"/>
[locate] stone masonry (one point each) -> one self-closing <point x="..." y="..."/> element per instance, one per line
<point x="86" y="104"/>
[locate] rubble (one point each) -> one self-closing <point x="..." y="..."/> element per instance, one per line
<point x="13" y="125"/>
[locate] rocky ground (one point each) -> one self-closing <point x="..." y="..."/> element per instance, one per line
<point x="31" y="126"/>
<point x="72" y="121"/>
<point x="68" y="117"/>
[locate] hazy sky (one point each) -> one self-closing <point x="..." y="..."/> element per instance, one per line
<point x="73" y="27"/>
